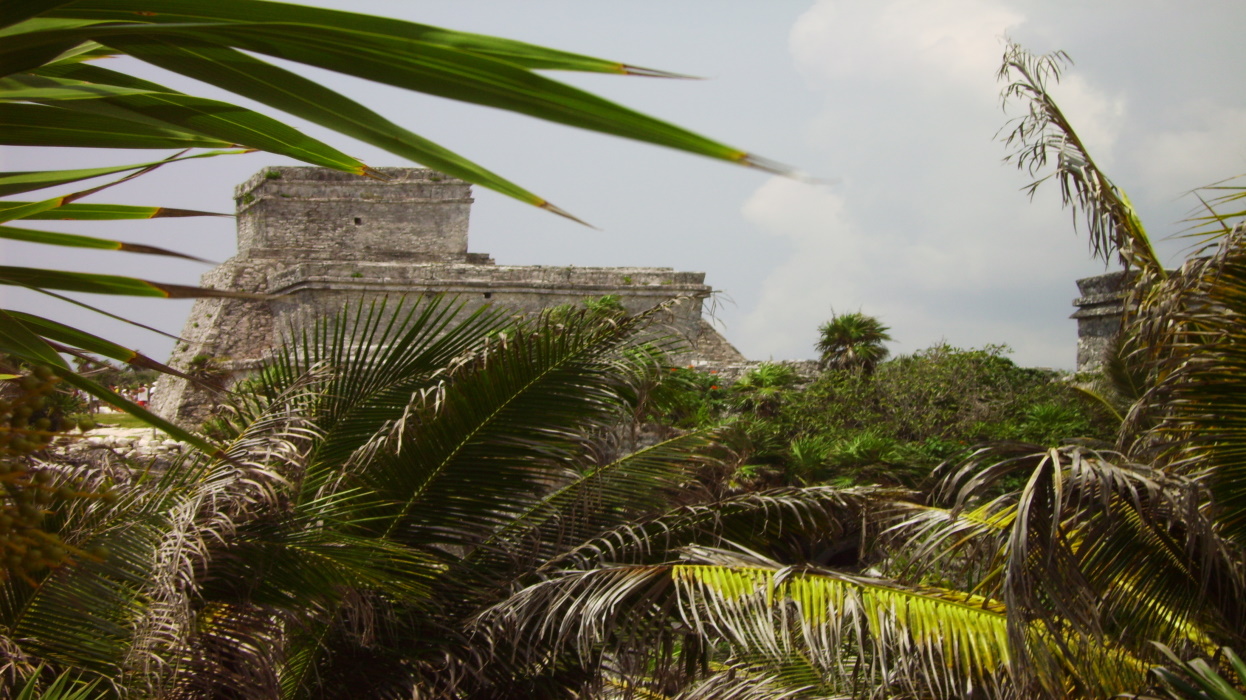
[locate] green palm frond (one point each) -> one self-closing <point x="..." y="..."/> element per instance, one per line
<point x="611" y="495"/>
<point x="852" y="341"/>
<point x="202" y="40"/>
<point x="63" y="687"/>
<point x="1197" y="679"/>
<point x="381" y="358"/>
<point x="448" y="462"/>
<point x="474" y="459"/>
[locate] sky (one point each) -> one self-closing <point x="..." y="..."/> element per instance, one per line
<point x="892" y="106"/>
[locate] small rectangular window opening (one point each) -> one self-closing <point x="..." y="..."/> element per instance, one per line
<point x="358" y="221"/>
<point x="488" y="295"/>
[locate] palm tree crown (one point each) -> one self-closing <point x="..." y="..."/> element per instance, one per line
<point x="852" y="341"/>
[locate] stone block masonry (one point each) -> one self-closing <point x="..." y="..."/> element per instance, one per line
<point x="319" y="240"/>
<point x="1100" y="312"/>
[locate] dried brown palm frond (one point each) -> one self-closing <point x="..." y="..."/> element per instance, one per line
<point x="205" y="506"/>
<point x="780" y="521"/>
<point x="1044" y="133"/>
<point x="1197" y="398"/>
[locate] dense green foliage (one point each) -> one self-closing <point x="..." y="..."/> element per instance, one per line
<point x="440" y="505"/>
<point x="892" y="426"/>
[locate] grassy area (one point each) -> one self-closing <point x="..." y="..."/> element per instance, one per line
<point x="118" y="420"/>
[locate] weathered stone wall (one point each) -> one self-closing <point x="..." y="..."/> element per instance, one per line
<point x="307" y="213"/>
<point x="318" y="241"/>
<point x="311" y="290"/>
<point x="1100" y="309"/>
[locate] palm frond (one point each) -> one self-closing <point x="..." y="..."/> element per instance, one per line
<point x="380" y="356"/>
<point x="1197" y="397"/>
<point x="480" y="440"/>
<point x="961" y="548"/>
<point x="631" y="487"/>
<point x="856" y="631"/>
<point x="777" y="521"/>
<point x="204" y="504"/>
<point x="1213" y="220"/>
<point x="1111" y="221"/>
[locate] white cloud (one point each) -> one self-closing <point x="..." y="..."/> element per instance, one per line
<point x="1206" y="143"/>
<point x="929" y="231"/>
<point x="956" y="40"/>
<point x="826" y="248"/>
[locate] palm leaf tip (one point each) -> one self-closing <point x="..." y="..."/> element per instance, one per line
<point x="641" y="71"/>
<point x="752" y="160"/>
<point x="547" y="206"/>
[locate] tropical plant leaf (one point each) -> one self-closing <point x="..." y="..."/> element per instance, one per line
<point x="86" y="342"/>
<point x="520" y="53"/>
<point x="393" y="52"/>
<point x="75" y="241"/>
<point x="12" y="13"/>
<point x="1194" y="340"/>
<point x="108" y="284"/>
<point x="385" y="355"/>
<point x="19" y="341"/>
<point x="66" y="686"/>
<point x="117" y="401"/>
<point x="1087" y="562"/>
<point x="37" y="125"/>
<point x="758" y="521"/>
<point x="1214" y="220"/>
<point x="102" y="312"/>
<point x="89" y="211"/>
<point x="155" y="111"/>
<point x="863" y="633"/>
<point x="1204" y="682"/>
<point x="12" y="183"/>
<point x="13" y="90"/>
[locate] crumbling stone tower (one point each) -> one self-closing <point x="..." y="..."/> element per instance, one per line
<point x="319" y="240"/>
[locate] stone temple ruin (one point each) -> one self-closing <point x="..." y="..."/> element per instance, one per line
<point x="1100" y="310"/>
<point x="318" y="240"/>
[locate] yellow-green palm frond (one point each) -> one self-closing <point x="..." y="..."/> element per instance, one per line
<point x="856" y="632"/>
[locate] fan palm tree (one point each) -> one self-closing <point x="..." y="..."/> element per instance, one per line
<point x="853" y="342"/>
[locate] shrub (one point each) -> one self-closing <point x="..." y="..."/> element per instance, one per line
<point x="914" y="412"/>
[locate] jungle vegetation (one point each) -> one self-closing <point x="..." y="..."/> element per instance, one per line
<point x="411" y="501"/>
